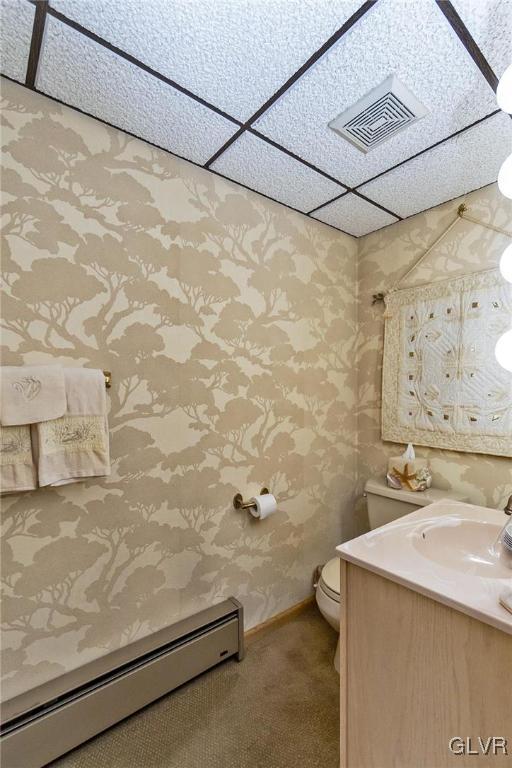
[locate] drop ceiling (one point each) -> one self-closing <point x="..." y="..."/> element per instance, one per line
<point x="247" y="89"/>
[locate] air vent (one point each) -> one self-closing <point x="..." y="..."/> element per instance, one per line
<point x="382" y="113"/>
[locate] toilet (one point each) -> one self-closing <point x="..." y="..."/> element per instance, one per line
<point x="384" y="505"/>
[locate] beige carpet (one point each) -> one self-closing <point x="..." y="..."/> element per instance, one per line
<point x="276" y="709"/>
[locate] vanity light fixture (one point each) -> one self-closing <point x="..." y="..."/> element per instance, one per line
<point x="506" y="263"/>
<point x="505" y="178"/>
<point x="503" y="351"/>
<point x="504" y="91"/>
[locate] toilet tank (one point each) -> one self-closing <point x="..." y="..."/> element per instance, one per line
<point x="386" y="504"/>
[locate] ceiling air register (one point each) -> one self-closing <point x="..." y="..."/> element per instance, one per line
<point x="382" y="113"/>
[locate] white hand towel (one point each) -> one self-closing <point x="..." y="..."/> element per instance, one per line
<point x="31" y="394"/>
<point x="76" y="446"/>
<point x="17" y="467"/>
<point x="85" y="392"/>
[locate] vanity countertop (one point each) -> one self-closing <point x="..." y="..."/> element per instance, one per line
<point x="443" y="551"/>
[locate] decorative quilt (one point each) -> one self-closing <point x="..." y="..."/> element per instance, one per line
<point x="442" y="385"/>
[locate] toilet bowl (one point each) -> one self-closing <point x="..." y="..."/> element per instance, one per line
<point x="384" y="505"/>
<point x="328" y="599"/>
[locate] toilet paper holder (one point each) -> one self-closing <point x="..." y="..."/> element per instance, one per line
<point x="239" y="503"/>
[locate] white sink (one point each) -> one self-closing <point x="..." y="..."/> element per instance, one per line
<point x="468" y="546"/>
<point x="447" y="551"/>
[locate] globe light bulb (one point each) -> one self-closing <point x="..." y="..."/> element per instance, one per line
<point x="506" y="263"/>
<point x="505" y="178"/>
<point x="504" y="91"/>
<point x="503" y="351"/>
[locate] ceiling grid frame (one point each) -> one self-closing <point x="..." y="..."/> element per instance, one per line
<point x="133" y="60"/>
<point x="367" y="5"/>
<point x="462" y="32"/>
<point x="43" y="8"/>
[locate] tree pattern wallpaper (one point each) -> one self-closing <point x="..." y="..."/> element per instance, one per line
<point x="245" y="351"/>
<point x="229" y="324"/>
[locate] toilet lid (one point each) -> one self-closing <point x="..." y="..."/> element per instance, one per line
<point x="331" y="575"/>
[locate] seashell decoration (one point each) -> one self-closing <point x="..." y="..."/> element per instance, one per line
<point x="417" y="481"/>
<point x="393" y="481"/>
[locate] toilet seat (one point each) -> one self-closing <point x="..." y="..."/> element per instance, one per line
<point x="329" y="581"/>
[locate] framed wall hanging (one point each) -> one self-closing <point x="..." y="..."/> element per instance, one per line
<point x="442" y="385"/>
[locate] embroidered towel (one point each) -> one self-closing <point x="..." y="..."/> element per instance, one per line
<point x="17" y="468"/>
<point x="31" y="394"/>
<point x="75" y="446"/>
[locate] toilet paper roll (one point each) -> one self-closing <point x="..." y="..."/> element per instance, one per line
<point x="265" y="505"/>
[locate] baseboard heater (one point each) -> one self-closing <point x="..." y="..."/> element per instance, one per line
<point x="43" y="724"/>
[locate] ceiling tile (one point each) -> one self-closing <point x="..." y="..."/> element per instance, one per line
<point x="421" y="49"/>
<point x="464" y="163"/>
<point x="17" y="19"/>
<point x="83" y="74"/>
<point x="233" y="54"/>
<point x="354" y="215"/>
<point x="253" y="162"/>
<point x="490" y="24"/>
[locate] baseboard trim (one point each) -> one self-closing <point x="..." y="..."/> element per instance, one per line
<point x="284" y="615"/>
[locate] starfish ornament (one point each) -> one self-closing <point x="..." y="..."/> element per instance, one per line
<point x="404" y="477"/>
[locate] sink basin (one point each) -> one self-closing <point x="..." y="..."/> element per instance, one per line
<point x="463" y="545"/>
<point x="447" y="551"/>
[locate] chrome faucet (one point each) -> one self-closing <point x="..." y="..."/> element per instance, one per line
<point x="508" y="506"/>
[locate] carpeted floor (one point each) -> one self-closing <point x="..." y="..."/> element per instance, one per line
<point x="276" y="709"/>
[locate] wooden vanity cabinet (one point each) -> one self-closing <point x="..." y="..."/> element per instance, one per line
<point x="415" y="674"/>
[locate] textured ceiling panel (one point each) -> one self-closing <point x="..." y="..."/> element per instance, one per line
<point x="421" y="49"/>
<point x="256" y="164"/>
<point x="16" y="20"/>
<point x="464" y="163"/>
<point x="233" y="54"/>
<point x="354" y="215"/>
<point x="86" y="75"/>
<point x="490" y="24"/>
